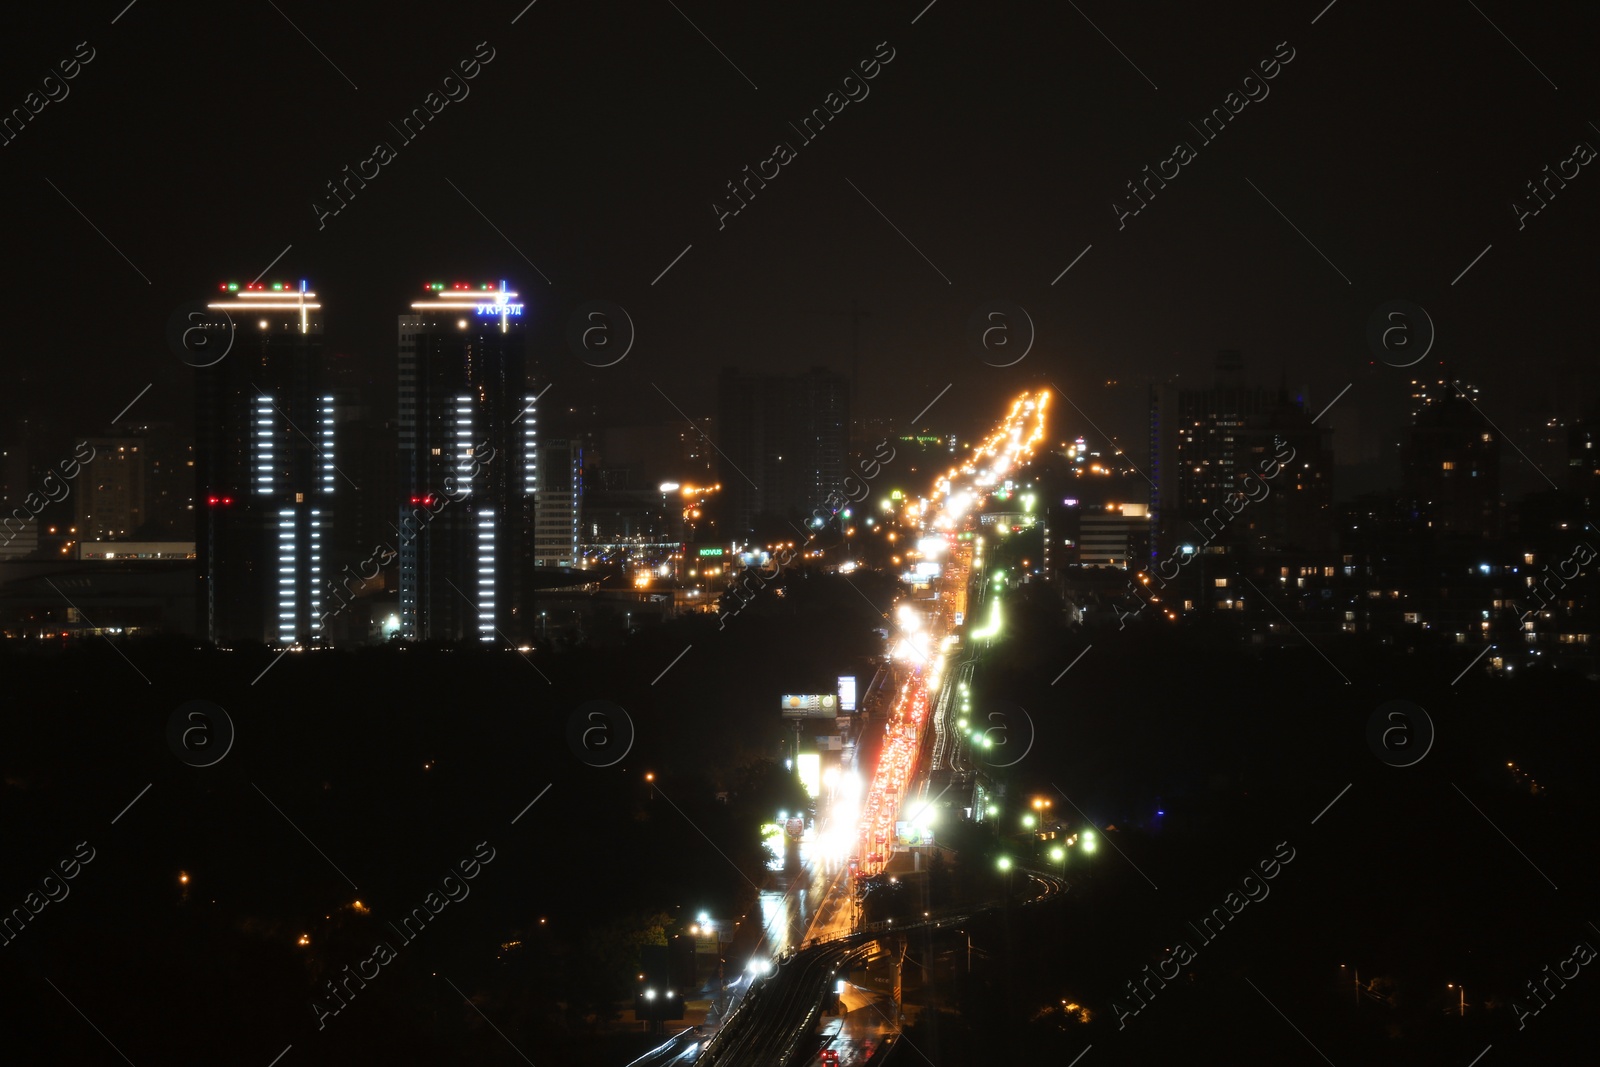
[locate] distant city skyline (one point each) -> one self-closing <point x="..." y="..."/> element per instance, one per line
<point x="813" y="528"/>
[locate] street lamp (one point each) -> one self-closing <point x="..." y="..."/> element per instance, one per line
<point x="650" y="777"/>
<point x="1461" y="994"/>
<point x="1357" y="972"/>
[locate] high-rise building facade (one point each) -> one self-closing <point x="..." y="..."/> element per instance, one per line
<point x="111" y="493"/>
<point x="1210" y="430"/>
<point x="139" y="487"/>
<point x="1294" y="456"/>
<point x="265" y="481"/>
<point x="1451" y="462"/>
<point x="469" y="466"/>
<point x="785" y="443"/>
<point x="1583" y="458"/>
<point x="558" y="504"/>
<point x="1206" y="442"/>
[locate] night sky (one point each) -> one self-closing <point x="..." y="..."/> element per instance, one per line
<point x="997" y="140"/>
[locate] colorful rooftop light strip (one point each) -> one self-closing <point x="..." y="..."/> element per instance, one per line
<point x="276" y="296"/>
<point x="486" y="300"/>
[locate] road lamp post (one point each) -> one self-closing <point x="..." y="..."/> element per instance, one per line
<point x="1461" y="996"/>
<point x="706" y="925"/>
<point x="1357" y="972"/>
<point x="1059" y="854"/>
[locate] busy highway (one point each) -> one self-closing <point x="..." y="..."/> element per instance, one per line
<point x="809" y="917"/>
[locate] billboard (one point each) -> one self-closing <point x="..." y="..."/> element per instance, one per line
<point x="907" y="834"/>
<point x="847" y="692"/>
<point x="811" y="706"/>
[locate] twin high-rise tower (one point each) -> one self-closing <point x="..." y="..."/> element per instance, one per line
<point x="264" y="466"/>
<point x="468" y="465"/>
<point x="476" y="508"/>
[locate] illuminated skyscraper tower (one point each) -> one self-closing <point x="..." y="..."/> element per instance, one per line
<point x="264" y="466"/>
<point x="468" y="466"/>
<point x="558" y="504"/>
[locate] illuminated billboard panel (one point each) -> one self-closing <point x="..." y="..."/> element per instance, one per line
<point x="907" y="834"/>
<point x="810" y="706"/>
